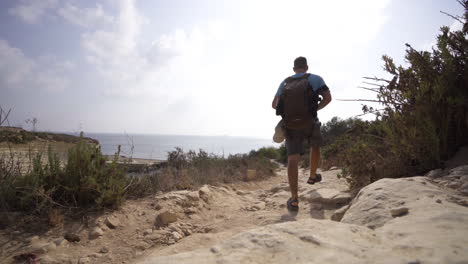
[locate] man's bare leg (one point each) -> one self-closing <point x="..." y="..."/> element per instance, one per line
<point x="293" y="170"/>
<point x="314" y="160"/>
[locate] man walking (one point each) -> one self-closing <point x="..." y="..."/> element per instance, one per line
<point x="297" y="101"/>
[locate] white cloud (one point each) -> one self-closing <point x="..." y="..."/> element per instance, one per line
<point x="85" y="17"/>
<point x="215" y="76"/>
<point x="14" y="65"/>
<point x="218" y="77"/>
<point x="17" y="71"/>
<point x="31" y="11"/>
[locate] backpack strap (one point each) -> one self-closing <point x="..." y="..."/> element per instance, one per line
<point x="306" y="75"/>
<point x="289" y="79"/>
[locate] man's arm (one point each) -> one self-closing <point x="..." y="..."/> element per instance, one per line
<point x="326" y="99"/>
<point x="274" y="104"/>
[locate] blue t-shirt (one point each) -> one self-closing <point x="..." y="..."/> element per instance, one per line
<point x="315" y="81"/>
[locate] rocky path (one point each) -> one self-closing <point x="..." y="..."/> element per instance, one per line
<point x="178" y="221"/>
<point x="415" y="220"/>
<point x="231" y="209"/>
<point x="408" y="220"/>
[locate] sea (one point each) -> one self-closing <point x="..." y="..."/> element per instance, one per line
<point x="146" y="146"/>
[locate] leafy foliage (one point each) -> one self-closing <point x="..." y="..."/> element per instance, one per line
<point x="266" y="152"/>
<point x="424" y="117"/>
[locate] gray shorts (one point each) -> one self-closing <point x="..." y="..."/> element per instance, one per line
<point x="298" y="140"/>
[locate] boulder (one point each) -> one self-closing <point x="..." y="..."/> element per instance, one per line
<point x="373" y="203"/>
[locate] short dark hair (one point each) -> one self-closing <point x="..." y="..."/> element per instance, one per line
<point x="300" y="63"/>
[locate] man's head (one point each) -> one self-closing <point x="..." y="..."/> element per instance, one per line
<point x="300" y="65"/>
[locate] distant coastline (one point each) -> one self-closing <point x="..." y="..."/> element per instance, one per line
<point x="156" y="146"/>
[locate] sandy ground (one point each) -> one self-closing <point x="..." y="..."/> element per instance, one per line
<point x="202" y="220"/>
<point x="230" y="214"/>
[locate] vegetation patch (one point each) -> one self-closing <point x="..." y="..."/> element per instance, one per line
<point x="188" y="170"/>
<point x="423" y="119"/>
<point x="87" y="181"/>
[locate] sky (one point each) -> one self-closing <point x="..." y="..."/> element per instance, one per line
<point x="205" y="67"/>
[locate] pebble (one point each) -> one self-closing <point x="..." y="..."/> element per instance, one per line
<point x="96" y="233"/>
<point x="259" y="206"/>
<point x="60" y="242"/>
<point x="147" y="232"/>
<point x="165" y="218"/>
<point x="177" y="236"/>
<point x="84" y="260"/>
<point x="214" y="250"/>
<point x="112" y="222"/>
<point x="104" y="250"/>
<point x="400" y="211"/>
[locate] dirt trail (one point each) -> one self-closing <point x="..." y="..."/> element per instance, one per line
<point x="239" y="207"/>
<point x="204" y="217"/>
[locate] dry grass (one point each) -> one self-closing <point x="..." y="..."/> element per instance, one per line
<point x="55" y="217"/>
<point x="188" y="170"/>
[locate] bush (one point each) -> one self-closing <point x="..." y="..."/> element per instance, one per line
<point x="21" y="137"/>
<point x="266" y="152"/>
<point x="85" y="181"/>
<point x="424" y="118"/>
<point x="188" y="170"/>
<point x="336" y="127"/>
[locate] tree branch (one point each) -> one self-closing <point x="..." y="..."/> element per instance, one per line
<point x="367" y="88"/>
<point x="376" y="79"/>
<point x="458" y="18"/>
<point x="375" y="84"/>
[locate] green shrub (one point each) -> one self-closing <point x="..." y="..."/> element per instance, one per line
<point x="266" y="152"/>
<point x="86" y="180"/>
<point x="424" y="115"/>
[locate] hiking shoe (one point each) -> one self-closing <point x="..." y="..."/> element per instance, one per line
<point x="278" y="137"/>
<point x="317" y="178"/>
<point x="292" y="207"/>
